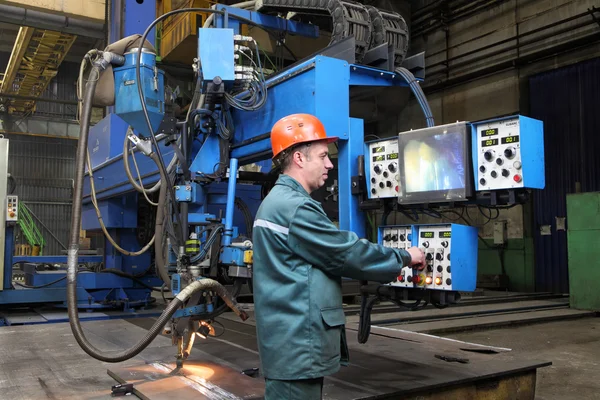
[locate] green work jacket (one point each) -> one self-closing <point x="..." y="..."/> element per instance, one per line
<point x="300" y="257"/>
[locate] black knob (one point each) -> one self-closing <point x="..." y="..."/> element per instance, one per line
<point x="373" y="190"/>
<point x="429" y="268"/>
<point x="426" y="244"/>
<point x="482" y="168"/>
<point x="409" y="279"/>
<point x="494" y="174"/>
<point x="488" y="155"/>
<point x="387" y="237"/>
<point x="388" y="184"/>
<point x="482" y="182"/>
<point x="509" y="152"/>
<point x="377" y="169"/>
<point x="402" y="237"/>
<point x="440" y="268"/>
<point x="505" y="173"/>
<point x="448" y="281"/>
<point x="429" y="256"/>
<point x="373" y="180"/>
<point x="439" y="256"/>
<point x="499" y="161"/>
<point x="392" y="167"/>
<point x="448" y="269"/>
<point x="448" y="256"/>
<point x="381" y="185"/>
<point x="385" y="174"/>
<point x="445" y="243"/>
<point x="394" y="238"/>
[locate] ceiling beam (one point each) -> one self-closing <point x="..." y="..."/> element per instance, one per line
<point x="16" y="58"/>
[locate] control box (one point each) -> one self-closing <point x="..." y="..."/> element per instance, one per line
<point x="398" y="237"/>
<point x="381" y="168"/>
<point x="12" y="208"/>
<point x="447" y="267"/>
<point x="508" y="153"/>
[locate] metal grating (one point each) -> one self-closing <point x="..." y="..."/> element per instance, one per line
<point x="35" y="60"/>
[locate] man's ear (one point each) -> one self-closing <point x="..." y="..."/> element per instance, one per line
<point x="298" y="158"/>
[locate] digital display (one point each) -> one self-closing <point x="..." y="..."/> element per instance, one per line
<point x="392" y="156"/>
<point x="379" y="158"/>
<point x="434" y="162"/>
<point x="489" y="142"/>
<point x="379" y="149"/>
<point x="445" y="234"/>
<point x="427" y="235"/>
<point x="489" y="132"/>
<point x="509" y="139"/>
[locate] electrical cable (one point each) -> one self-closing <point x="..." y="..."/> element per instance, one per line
<point x="418" y="92"/>
<point x="101" y="220"/>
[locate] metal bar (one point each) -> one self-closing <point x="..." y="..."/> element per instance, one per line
<point x="48" y="229"/>
<point x="38" y="99"/>
<point x="271" y="22"/>
<point x="233" y="168"/>
<point x="59" y="23"/>
<point x="55" y="259"/>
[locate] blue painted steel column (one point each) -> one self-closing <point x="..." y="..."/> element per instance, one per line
<point x="233" y="169"/>
<point x="351" y="217"/>
<point x="8" y="257"/>
<point x="138" y="16"/>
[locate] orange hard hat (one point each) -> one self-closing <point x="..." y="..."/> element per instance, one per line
<point x="295" y="129"/>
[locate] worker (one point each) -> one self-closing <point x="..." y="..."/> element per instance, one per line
<point x="300" y="257"/>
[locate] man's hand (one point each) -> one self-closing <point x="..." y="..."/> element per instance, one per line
<point x="417" y="256"/>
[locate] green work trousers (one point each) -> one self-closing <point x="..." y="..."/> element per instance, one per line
<point x="302" y="389"/>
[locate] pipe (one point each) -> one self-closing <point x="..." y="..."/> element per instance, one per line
<point x="227" y="235"/>
<point x="161" y="262"/>
<point x="55" y="22"/>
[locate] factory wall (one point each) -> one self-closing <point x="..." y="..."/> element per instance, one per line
<point x="43" y="169"/>
<point x="479" y="59"/>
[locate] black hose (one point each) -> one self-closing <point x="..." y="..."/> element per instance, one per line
<point x="160" y="260"/>
<point x="364" y="325"/>
<point x="418" y="92"/>
<point x="74" y="246"/>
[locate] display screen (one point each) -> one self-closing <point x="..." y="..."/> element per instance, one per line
<point x="509" y="139"/>
<point x="445" y="234"/>
<point x="489" y="142"/>
<point x="378" y="149"/>
<point x="392" y="156"/>
<point x="489" y="132"/>
<point x="427" y="235"/>
<point x="434" y="162"/>
<point x="379" y="158"/>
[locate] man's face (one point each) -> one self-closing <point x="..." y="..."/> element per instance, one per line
<point x="317" y="165"/>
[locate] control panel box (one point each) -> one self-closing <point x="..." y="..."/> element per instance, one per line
<point x="508" y="153"/>
<point x="398" y="237"/>
<point x="12" y="208"/>
<point x="450" y="255"/>
<point x="381" y="168"/>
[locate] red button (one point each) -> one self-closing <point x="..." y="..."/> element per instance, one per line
<point x="396" y="188"/>
<point x="416" y="279"/>
<point x="517" y="178"/>
<point x="401" y="278"/>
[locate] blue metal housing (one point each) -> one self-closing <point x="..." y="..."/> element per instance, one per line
<point x="106" y="139"/>
<point x="215" y="50"/>
<point x="531" y="132"/>
<point x="127" y="99"/>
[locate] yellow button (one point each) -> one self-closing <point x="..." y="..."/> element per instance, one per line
<point x="248" y="257"/>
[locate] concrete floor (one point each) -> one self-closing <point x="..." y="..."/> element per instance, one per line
<point x="572" y="346"/>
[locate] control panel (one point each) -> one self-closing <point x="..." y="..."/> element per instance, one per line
<point x="447" y="267"/>
<point x="508" y="153"/>
<point x="381" y="159"/>
<point x="398" y="237"/>
<point x="12" y="208"/>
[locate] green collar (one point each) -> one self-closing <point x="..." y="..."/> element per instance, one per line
<point x="292" y="183"/>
